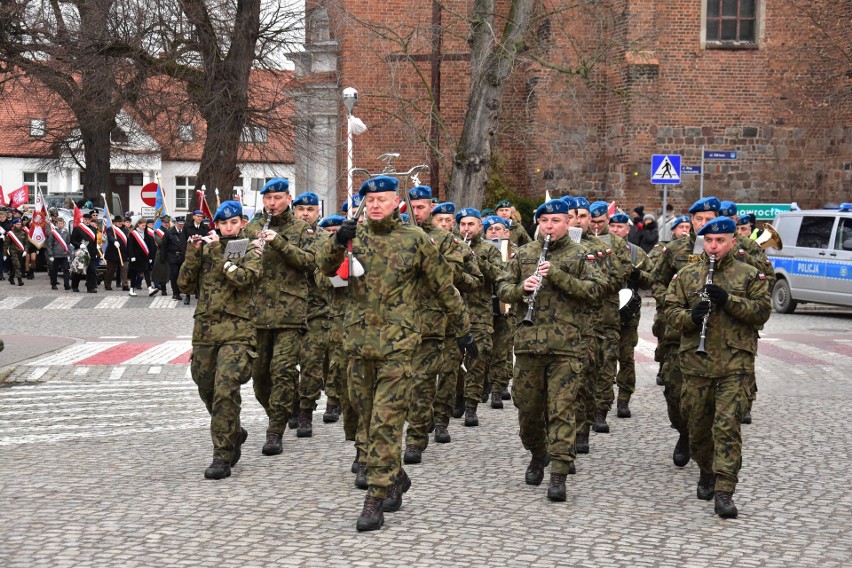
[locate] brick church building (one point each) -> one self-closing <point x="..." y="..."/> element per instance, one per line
<point x="597" y="88"/>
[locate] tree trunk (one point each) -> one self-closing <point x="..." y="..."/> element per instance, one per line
<point x="96" y="141"/>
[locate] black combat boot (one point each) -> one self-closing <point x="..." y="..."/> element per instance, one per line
<point x="163" y="290"/>
<point x="600" y="426"/>
<point x="681" y="453"/>
<point x="458" y="409"/>
<point x="535" y="471"/>
<point x="54" y="287"/>
<point x="219" y="469"/>
<point x="470" y="418"/>
<point x="175" y="296"/>
<point x="724" y="505"/>
<point x="371" y="518"/>
<point x="272" y="447"/>
<point x="746" y="417"/>
<point x="331" y="414"/>
<point x="361" y="476"/>
<point x="442" y="436"/>
<point x="581" y="442"/>
<point x="185" y="300"/>
<point x="306" y="429"/>
<point x="556" y="491"/>
<point x="20" y="282"/>
<point x="496" y="400"/>
<point x="393" y="501"/>
<point x="354" y="468"/>
<point x="623" y="409"/>
<point x="483" y="398"/>
<point x="506" y="395"/>
<point x="30" y="275"/>
<point x="238" y="449"/>
<point x="660" y="382"/>
<point x="413" y="454"/>
<point x="293" y="421"/>
<point x="11" y="280"/>
<point x="706" y="482"/>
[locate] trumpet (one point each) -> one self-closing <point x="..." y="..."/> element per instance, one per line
<point x="701" y="349"/>
<point x="530" y="300"/>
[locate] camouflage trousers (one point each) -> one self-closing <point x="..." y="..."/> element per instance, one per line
<point x="714" y="409"/>
<point x="15" y="261"/>
<point x="275" y="374"/>
<point x="584" y="409"/>
<point x="379" y="391"/>
<point x="673" y="389"/>
<point x="499" y="365"/>
<point x="425" y="365"/>
<point x="607" y="369"/>
<point x="474" y="377"/>
<point x="544" y="389"/>
<point x="626" y="379"/>
<point x="313" y="362"/>
<point x="448" y="378"/>
<point x="337" y="382"/>
<point x="219" y="371"/>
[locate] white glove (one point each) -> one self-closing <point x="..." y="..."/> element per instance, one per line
<point x="133" y="259"/>
<point x="118" y="246"/>
<point x="50" y="258"/>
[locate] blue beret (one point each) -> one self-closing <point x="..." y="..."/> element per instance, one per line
<point x="552" y="206"/>
<point x="198" y="212"/>
<point x="356" y="201"/>
<point x="681" y="219"/>
<point x="569" y="201"/>
<point x="501" y="204"/>
<point x="467" y="212"/>
<point x="227" y="210"/>
<point x="580" y="203"/>
<point x="331" y="221"/>
<point x="447" y="208"/>
<point x="744" y="220"/>
<point x="598" y="208"/>
<point x="307" y="198"/>
<point x="706" y="204"/>
<point x="619" y="218"/>
<point x="420" y="192"/>
<point x="378" y="184"/>
<point x="486" y="212"/>
<point x="719" y="226"/>
<point x="276" y="185"/>
<point x="493" y="220"/>
<point x="16" y="220"/>
<point x="728" y="208"/>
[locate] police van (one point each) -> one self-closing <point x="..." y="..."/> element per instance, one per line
<point x="813" y="261"/>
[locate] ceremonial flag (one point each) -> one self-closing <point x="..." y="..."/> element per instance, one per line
<point x="202" y="203"/>
<point x="38" y="224"/>
<point x="159" y="209"/>
<point x="611" y="209"/>
<point x="108" y="224"/>
<point x="2" y="197"/>
<point x="78" y="217"/>
<point x="19" y="197"/>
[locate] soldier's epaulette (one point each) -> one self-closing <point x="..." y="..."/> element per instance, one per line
<point x="761" y="276"/>
<point x="590" y="257"/>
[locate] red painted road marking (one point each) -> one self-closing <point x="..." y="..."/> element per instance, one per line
<point x="839" y="348"/>
<point x="182" y="360"/>
<point x="788" y="356"/>
<point x="639" y="358"/>
<point x="116" y="355"/>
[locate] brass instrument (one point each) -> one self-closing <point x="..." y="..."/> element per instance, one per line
<point x="701" y="349"/>
<point x="769" y="238"/>
<point x="530" y="299"/>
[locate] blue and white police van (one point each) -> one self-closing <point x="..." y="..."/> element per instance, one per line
<point x="814" y="263"/>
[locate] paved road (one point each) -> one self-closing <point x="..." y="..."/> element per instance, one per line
<point x="104" y="441"/>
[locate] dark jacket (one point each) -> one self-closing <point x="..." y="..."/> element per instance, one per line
<point x="81" y="239"/>
<point x="189" y="230"/>
<point x="649" y="236"/>
<point x="174" y="244"/>
<point x="111" y="253"/>
<point x="135" y="251"/>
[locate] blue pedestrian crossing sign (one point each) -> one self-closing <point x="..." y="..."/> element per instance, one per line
<point x="665" y="168"/>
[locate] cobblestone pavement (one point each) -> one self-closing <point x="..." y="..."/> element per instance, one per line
<point x="104" y="441"/>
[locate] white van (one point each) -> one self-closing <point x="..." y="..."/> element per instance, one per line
<point x="815" y="261"/>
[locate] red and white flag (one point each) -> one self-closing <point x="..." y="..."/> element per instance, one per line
<point x="611" y="209"/>
<point x="78" y="217"/>
<point x="38" y="225"/>
<point x="17" y="242"/>
<point x="2" y="197"/>
<point x="202" y="200"/>
<point x="19" y="197"/>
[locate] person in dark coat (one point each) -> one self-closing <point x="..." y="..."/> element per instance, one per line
<point x="175" y="249"/>
<point x="650" y="233"/>
<point x="141" y="248"/>
<point x="160" y="269"/>
<point x="116" y="256"/>
<point x="195" y="226"/>
<point x="635" y="234"/>
<point x="85" y="236"/>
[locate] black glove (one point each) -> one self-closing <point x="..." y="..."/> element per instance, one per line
<point x="346" y="232"/>
<point x="467" y="346"/>
<point x="633" y="281"/>
<point x="717" y="295"/>
<point x="699" y="311"/>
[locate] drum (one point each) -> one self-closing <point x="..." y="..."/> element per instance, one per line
<point x="629" y="304"/>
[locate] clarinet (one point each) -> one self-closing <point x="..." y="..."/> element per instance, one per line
<point x="701" y="350"/>
<point x="263" y="230"/>
<point x="530" y="300"/>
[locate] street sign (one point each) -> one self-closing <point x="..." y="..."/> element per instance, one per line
<point x="665" y="168"/>
<point x="149" y="194"/>
<point x="762" y="211"/>
<point x="147" y="211"/>
<point x="716" y="155"/>
<point x="691" y="170"/>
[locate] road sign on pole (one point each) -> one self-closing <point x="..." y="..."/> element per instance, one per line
<point x="716" y="155"/>
<point x="149" y="194"/>
<point x="665" y="168"/>
<point x="690" y="170"/>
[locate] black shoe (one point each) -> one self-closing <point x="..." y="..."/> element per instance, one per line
<point x="73" y="289"/>
<point x="556" y="490"/>
<point x="163" y="291"/>
<point x="361" y="476"/>
<point x="177" y="297"/>
<point x="413" y="454"/>
<point x="125" y="288"/>
<point x="219" y="469"/>
<point x="600" y="426"/>
<point x="442" y="436"/>
<point x="535" y="471"/>
<point x="506" y="395"/>
<point x="623" y="409"/>
<point x="354" y="468"/>
<point x="458" y="410"/>
<point x="67" y="286"/>
<point x="401" y="485"/>
<point x="706" y="483"/>
<point x="91" y="291"/>
<point x="581" y="442"/>
<point x="20" y="282"/>
<point x="293" y="421"/>
<point x="30" y="275"/>
<point x="108" y="288"/>
<point x="681" y="453"/>
<point x="470" y="418"/>
<point x="572" y="469"/>
<point x="724" y="505"/>
<point x="238" y="449"/>
<point x="660" y="380"/>
<point x="483" y="398"/>
<point x="186" y="300"/>
<point x="54" y="287"/>
<point x="496" y="400"/>
<point x="12" y="280"/>
<point x="273" y="445"/>
<point x="746" y="417"/>
<point x="371" y="518"/>
<point x="305" y="426"/>
<point x="331" y="414"/>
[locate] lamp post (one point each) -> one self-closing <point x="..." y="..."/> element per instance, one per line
<point x="350" y="97"/>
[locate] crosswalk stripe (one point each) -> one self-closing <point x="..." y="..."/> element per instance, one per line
<point x="63" y="303"/>
<point x="163" y="302"/>
<point x="13" y="302"/>
<point x="161" y="354"/>
<point x="74" y="353"/>
<point x="112" y="302"/>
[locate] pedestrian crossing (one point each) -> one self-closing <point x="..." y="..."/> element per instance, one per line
<point x="114" y="300"/>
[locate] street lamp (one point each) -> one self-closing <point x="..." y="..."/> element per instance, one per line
<point x="350" y="97"/>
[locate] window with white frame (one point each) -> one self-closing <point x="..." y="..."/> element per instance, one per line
<point x="38" y="127"/>
<point x="254" y="134"/>
<point x="184" y="186"/>
<point x="36" y="180"/>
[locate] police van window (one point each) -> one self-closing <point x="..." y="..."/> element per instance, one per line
<point x="843" y="237"/>
<point x="815" y="232"/>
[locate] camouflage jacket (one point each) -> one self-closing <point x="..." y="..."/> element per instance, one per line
<point x="479" y="302"/>
<point x="755" y="256"/>
<point x="10" y="248"/>
<point x="399" y="263"/>
<point x="318" y="293"/>
<point x="732" y="331"/>
<point x="598" y="313"/>
<point x="574" y="281"/>
<point x="645" y="280"/>
<point x="225" y="308"/>
<point x="288" y="263"/>
<point x="619" y="266"/>
<point x="518" y="235"/>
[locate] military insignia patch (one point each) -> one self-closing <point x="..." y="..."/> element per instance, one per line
<point x="742" y="252"/>
<point x="310" y="231"/>
<point x="600" y="254"/>
<point x="590" y="257"/>
<point x="761" y="276"/>
<point x="674" y="277"/>
<point x="609" y="251"/>
<point x="455" y="240"/>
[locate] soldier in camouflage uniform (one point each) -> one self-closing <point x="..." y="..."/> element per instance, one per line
<point x="381" y="331"/>
<point x="716" y="384"/>
<point x="517" y="233"/>
<point x="282" y="306"/>
<point x="551" y="353"/>
<point x="14" y="248"/>
<point x="499" y="366"/>
<point x="223" y="337"/>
